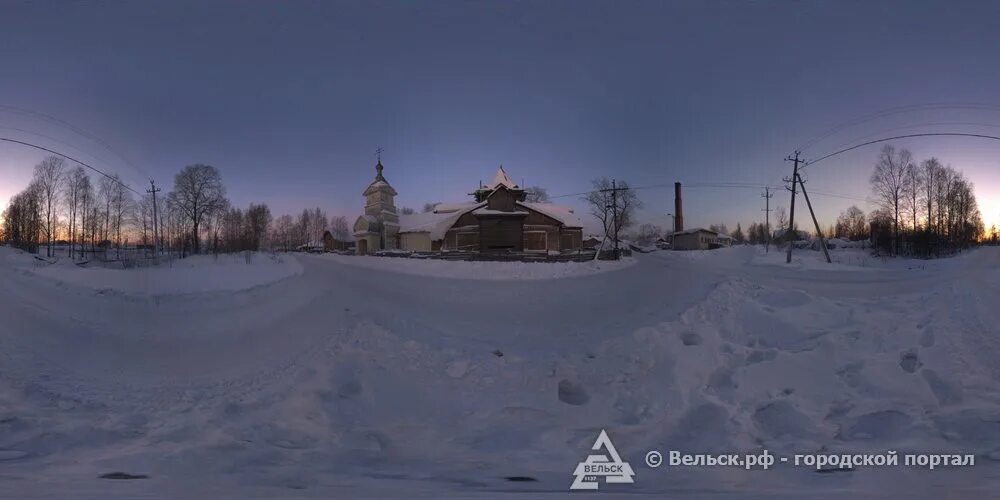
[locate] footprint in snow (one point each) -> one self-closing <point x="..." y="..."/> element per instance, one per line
<point x="572" y="393"/>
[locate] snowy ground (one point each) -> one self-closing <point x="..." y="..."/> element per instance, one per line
<point x="348" y="382"/>
<point x="482" y="270"/>
<point x="197" y="274"/>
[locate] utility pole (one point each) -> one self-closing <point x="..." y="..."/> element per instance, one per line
<point x="614" y="210"/>
<point x="791" y="211"/>
<point x="156" y="239"/>
<point x="822" y="240"/>
<point x="767" y="217"/>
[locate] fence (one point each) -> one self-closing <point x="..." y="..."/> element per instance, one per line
<point x="577" y="256"/>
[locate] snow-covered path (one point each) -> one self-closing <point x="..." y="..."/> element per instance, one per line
<point x="349" y="382"/>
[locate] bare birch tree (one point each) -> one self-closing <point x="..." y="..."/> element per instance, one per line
<point x="48" y="176"/>
<point x="889" y="184"/>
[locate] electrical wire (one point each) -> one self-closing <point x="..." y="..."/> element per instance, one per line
<point x="895" y="111"/>
<point x="112" y="178"/>
<point x="69" y="126"/>
<point x="907" y="136"/>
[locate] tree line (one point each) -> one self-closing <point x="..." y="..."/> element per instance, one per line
<point x="64" y="205"/>
<point x="924" y="208"/>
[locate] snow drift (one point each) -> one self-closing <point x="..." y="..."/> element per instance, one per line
<point x="340" y="382"/>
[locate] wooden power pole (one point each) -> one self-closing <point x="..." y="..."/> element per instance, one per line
<point x="791" y="210"/>
<point x="614" y="211"/>
<point x="156" y="239"/>
<point x="819" y="232"/>
<point x="767" y="195"/>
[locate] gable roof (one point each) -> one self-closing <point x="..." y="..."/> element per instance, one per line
<point x="437" y="222"/>
<point x="561" y="213"/>
<point x="697" y="230"/>
<point x="501" y="179"/>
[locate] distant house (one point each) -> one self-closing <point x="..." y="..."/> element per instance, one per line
<point x="330" y="243"/>
<point x="592" y="241"/>
<point x="699" y="239"/>
<point x="311" y="247"/>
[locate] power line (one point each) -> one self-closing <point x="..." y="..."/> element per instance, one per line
<point x="907" y="136"/>
<point x="883" y="132"/>
<point x="47" y="150"/>
<point x="71" y="127"/>
<point x="895" y="111"/>
<point x="716" y="185"/>
<point x="56" y="141"/>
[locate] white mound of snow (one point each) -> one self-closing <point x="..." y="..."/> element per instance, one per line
<point x="195" y="274"/>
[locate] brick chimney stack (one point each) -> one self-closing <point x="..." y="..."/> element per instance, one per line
<point x="678" y="207"/>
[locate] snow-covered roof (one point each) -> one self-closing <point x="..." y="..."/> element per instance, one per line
<point x="486" y="211"/>
<point x="365" y="224"/>
<point x="379" y="184"/>
<point x="501" y="179"/>
<point x="437" y="222"/>
<point x="444" y="208"/>
<point x="561" y="213"/>
<point x="698" y="230"/>
<point x="444" y="216"/>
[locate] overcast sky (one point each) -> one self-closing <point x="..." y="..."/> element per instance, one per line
<point x="290" y="99"/>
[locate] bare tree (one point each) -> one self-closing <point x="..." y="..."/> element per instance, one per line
<point x="851" y="224"/>
<point x="48" y="176"/>
<point x="407" y="211"/>
<point x="122" y="206"/>
<point x="913" y="185"/>
<point x="782" y="220"/>
<point x="198" y="193"/>
<point x="339" y="228"/>
<point x="931" y="174"/>
<point x="737" y="234"/>
<point x="648" y="233"/>
<point x="603" y="203"/>
<point x="105" y="193"/>
<point x="86" y="198"/>
<point x="889" y="184"/>
<point x="282" y="232"/>
<point x="258" y="219"/>
<point x="537" y="194"/>
<point x="73" y="194"/>
<point x="429" y="207"/>
<point x="22" y="219"/>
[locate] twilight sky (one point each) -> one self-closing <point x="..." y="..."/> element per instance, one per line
<point x="290" y="99"/>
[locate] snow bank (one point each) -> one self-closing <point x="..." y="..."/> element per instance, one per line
<point x="195" y="274"/>
<point x="477" y="270"/>
<point x="379" y="388"/>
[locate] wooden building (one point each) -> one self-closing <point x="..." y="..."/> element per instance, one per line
<point x="497" y="220"/>
<point x="699" y="239"/>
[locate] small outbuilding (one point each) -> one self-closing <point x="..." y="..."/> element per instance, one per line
<point x="699" y="239"/>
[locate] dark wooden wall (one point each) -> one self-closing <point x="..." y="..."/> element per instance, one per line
<point x="500" y="233"/>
